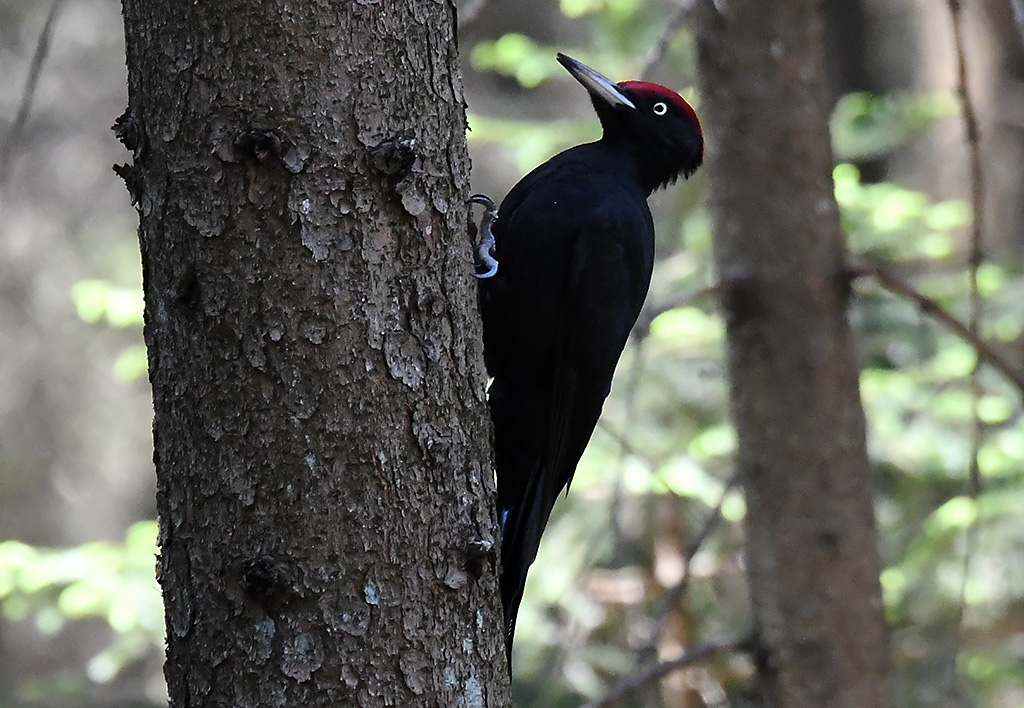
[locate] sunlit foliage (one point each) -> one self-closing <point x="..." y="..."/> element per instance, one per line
<point x="114" y="582"/>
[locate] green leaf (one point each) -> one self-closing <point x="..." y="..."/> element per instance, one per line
<point x="686" y="477"/>
<point x="688" y="324"/>
<point x="90" y="298"/>
<point x="715" y="441"/>
<point x="947" y="216"/>
<point x="518" y="56"/>
<point x="98" y="299"/>
<point x="734" y="506"/>
<point x="131" y="364"/>
<point x="957" y="513"/>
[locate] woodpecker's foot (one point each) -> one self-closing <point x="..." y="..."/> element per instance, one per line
<point x="483" y="254"/>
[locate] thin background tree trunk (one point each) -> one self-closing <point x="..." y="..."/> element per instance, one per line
<point x="322" y="444"/>
<point x="812" y="545"/>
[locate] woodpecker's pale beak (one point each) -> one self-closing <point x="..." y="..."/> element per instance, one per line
<point x="596" y="83"/>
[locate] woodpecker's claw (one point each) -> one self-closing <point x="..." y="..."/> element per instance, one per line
<point x="483" y="254"/>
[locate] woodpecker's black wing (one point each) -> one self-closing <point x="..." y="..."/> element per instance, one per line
<point x="575" y="246"/>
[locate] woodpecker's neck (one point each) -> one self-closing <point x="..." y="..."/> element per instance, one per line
<point x="651" y="165"/>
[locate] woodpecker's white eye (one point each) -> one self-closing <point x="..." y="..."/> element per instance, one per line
<point x="660" y="108"/>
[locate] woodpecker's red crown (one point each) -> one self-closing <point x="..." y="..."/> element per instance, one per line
<point x="654" y="92"/>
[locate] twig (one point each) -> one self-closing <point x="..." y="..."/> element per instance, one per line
<point x="632" y="385"/>
<point x="619" y="438"/>
<point x="651" y="312"/>
<point x="34" y="70"/>
<point x="674" y="593"/>
<point x="972" y="137"/>
<point x="682" y="13"/>
<point x="930" y="307"/>
<point x="639" y="679"/>
<point x="658" y="49"/>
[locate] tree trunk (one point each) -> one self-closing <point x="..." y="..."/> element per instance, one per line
<point x="321" y="439"/>
<point x="812" y="544"/>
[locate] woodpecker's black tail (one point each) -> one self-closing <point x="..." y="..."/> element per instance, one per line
<point x="522" y="527"/>
<point x="540" y="432"/>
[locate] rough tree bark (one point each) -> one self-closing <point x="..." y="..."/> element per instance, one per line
<point x="321" y="439"/>
<point x="812" y="544"/>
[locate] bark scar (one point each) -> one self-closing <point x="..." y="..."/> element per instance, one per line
<point x="395" y="156"/>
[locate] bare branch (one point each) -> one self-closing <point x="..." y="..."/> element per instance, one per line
<point x="639" y="679"/>
<point x="34" y="70"/>
<point x="679" y="17"/>
<point x="651" y="312"/>
<point x="672" y="596"/>
<point x="657" y="51"/>
<point x="632" y="386"/>
<point x="933" y="309"/>
<point x="972" y="136"/>
<point x="973" y="139"/>
<point x="620" y="438"/>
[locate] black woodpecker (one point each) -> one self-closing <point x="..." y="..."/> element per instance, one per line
<point x="564" y="270"/>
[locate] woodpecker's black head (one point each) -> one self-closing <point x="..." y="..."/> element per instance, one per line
<point x="659" y="126"/>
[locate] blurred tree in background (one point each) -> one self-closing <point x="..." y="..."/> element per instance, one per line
<point x="644" y="558"/>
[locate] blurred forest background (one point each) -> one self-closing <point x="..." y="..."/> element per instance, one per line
<point x="645" y="556"/>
